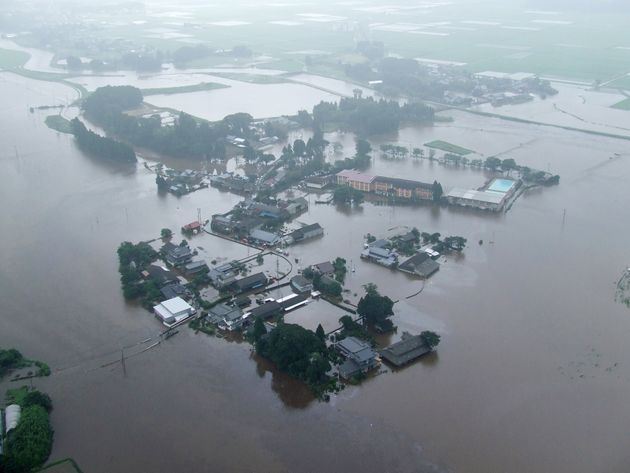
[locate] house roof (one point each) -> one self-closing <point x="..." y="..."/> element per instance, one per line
<point x="406" y="350"/>
<point x="421" y="264"/>
<point x="250" y="281"/>
<point x="404" y="183"/>
<point x="300" y="280"/>
<point x="359" y="350"/>
<point x="379" y="243"/>
<point x="176" y="305"/>
<point x="266" y="237"/>
<point x="225" y="312"/>
<point x="192" y="226"/>
<point x="358" y="176"/>
<point x="292" y="301"/>
<point x="196" y="265"/>
<point x="380" y="252"/>
<point x="325" y="268"/>
<point x="488" y="197"/>
<point x="172" y="290"/>
<point x="266" y="310"/>
<point x="160" y="274"/>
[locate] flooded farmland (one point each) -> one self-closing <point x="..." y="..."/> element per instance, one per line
<point x="532" y="374"/>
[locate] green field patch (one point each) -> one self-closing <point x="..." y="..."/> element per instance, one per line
<point x="448" y="147"/>
<point x="623" y="105"/>
<point x="251" y="78"/>
<point x="58" y="123"/>
<point x="10" y="59"/>
<point x="184" y="89"/>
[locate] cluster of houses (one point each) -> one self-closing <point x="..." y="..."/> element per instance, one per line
<point x="361" y="358"/>
<point x="260" y="224"/>
<point x="387" y="186"/>
<point x="233" y="183"/>
<point x="383" y="252"/>
<point x="181" y="182"/>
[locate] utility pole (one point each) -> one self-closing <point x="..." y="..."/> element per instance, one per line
<point x="122" y="361"/>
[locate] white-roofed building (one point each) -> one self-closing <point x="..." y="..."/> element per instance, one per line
<point x="173" y="311"/>
<point x="486" y="200"/>
<point x="12" y="416"/>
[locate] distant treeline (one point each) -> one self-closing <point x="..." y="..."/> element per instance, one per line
<point x="367" y="116"/>
<point x="153" y="60"/>
<point x="101" y="146"/>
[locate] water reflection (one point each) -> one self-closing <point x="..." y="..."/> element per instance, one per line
<point x="293" y="394"/>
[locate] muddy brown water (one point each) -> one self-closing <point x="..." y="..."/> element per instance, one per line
<point x="532" y="374"/>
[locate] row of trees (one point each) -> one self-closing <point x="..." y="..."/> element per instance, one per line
<point x="367" y="116"/>
<point x="457" y="243"/>
<point x="101" y="146"/>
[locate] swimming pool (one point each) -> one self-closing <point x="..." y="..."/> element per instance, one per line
<point x="501" y="185"/>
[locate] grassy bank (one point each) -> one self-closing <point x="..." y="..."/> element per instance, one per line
<point x="184" y="89"/>
<point x="623" y="105"/>
<point x="58" y="123"/>
<point x="251" y="78"/>
<point x="448" y="147"/>
<point x="10" y="59"/>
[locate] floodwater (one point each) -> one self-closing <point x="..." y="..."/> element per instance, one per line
<point x="574" y="106"/>
<point x="532" y="375"/>
<point x="259" y="100"/>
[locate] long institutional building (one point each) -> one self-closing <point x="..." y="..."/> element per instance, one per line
<point x="389" y="186"/>
<point x="492" y="197"/>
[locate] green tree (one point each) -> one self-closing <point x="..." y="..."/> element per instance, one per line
<point x="259" y="329"/>
<point x="297" y="351"/>
<point x="492" y="163"/>
<point x="37" y="398"/>
<point x="340" y="269"/>
<point x="320" y="332"/>
<point x="299" y="147"/>
<point x="434" y="238"/>
<point x="437" y="191"/>
<point x="166" y="233"/>
<point x="508" y="164"/>
<point x="375" y="307"/>
<point x="363" y="147"/>
<point x="430" y="339"/>
<point x="455" y="242"/>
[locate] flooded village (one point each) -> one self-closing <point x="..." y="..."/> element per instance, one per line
<point x="435" y="283"/>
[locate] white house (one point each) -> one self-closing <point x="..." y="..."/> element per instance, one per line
<point x="173" y="311"/>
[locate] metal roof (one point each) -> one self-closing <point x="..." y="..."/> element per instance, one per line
<point x="489" y="197"/>
<point x="358" y="176"/>
<point x="176" y="305"/>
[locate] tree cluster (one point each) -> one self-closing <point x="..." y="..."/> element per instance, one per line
<point x="133" y="260"/>
<point x="375" y="308"/>
<point x="296" y="351"/>
<point x="368" y="116"/>
<point x="101" y="146"/>
<point x="10" y="359"/>
<point x="187" y="138"/>
<point x="29" y="444"/>
<point x="344" y="195"/>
